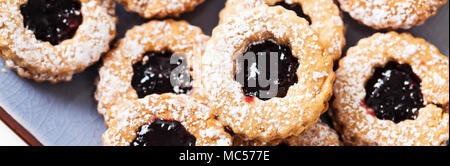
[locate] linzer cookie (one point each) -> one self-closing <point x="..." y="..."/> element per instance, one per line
<point x="318" y="135"/>
<point x="165" y="120"/>
<point x="392" y="90"/>
<point x="160" y="8"/>
<point x="391" y="14"/>
<point x="48" y="40"/>
<point x="154" y="58"/>
<point x="323" y="16"/>
<point x="234" y="77"/>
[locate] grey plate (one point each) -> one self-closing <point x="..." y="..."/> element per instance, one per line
<point x="65" y="113"/>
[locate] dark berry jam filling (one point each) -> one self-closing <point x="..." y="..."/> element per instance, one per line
<point x="296" y="8"/>
<point x="163" y="133"/>
<point x="393" y="92"/>
<point x="52" y="20"/>
<point x="153" y="75"/>
<point x="251" y="71"/>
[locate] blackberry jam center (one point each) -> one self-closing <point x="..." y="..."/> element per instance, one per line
<point x="296" y="8"/>
<point x="393" y="92"/>
<point x="251" y="71"/>
<point x="153" y="75"/>
<point x="163" y="133"/>
<point x="52" y="20"/>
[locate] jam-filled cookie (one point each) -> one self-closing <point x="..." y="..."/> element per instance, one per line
<point x="392" y="89"/>
<point x="165" y="120"/>
<point x="266" y="42"/>
<point x="50" y="40"/>
<point x="154" y="58"/>
<point x="391" y="14"/>
<point x="323" y="16"/>
<point x="160" y="8"/>
<point x="318" y="135"/>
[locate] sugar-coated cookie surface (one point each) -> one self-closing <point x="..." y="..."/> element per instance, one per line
<point x="195" y="117"/>
<point x="279" y="117"/>
<point x="318" y="135"/>
<point x="109" y="5"/>
<point x="391" y="14"/>
<point x="360" y="124"/>
<point x="324" y="16"/>
<point x="160" y="8"/>
<point x="116" y="74"/>
<point x="42" y="61"/>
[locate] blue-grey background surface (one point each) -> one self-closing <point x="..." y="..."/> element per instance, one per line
<point x="65" y="113"/>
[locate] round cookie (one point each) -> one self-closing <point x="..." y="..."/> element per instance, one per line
<point x="165" y="120"/>
<point x="304" y="81"/>
<point x="392" y="90"/>
<point x="391" y="14"/>
<point x="142" y="64"/>
<point x="160" y="8"/>
<point x="324" y="17"/>
<point x="318" y="135"/>
<point x="55" y="49"/>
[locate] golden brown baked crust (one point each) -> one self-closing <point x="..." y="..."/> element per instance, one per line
<point x="318" y="135"/>
<point x="391" y="14"/>
<point x="195" y="117"/>
<point x="352" y="119"/>
<point x="42" y="61"/>
<point x="325" y="16"/>
<point x="240" y="140"/>
<point x="115" y="76"/>
<point x="277" y="118"/>
<point x="160" y="8"/>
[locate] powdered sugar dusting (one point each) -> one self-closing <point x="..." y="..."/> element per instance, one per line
<point x="160" y="8"/>
<point x="194" y="116"/>
<point x="114" y="84"/>
<point x="319" y="134"/>
<point x="109" y="5"/>
<point x="325" y="16"/>
<point x="381" y="14"/>
<point x="42" y="61"/>
<point x="352" y="119"/>
<point x="276" y="118"/>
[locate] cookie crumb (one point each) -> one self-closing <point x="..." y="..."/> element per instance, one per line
<point x="3" y="70"/>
